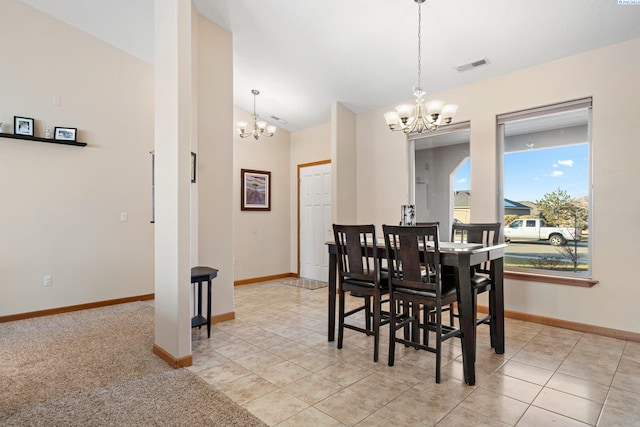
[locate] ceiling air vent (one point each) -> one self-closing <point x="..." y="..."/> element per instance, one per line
<point x="278" y="119"/>
<point x="471" y="65"/>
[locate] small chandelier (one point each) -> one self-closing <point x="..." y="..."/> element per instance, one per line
<point x="260" y="128"/>
<point x="421" y="116"/>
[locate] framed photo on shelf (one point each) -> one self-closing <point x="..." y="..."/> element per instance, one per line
<point x="256" y="190"/>
<point x="65" y="134"/>
<point x="193" y="167"/>
<point x="22" y="126"/>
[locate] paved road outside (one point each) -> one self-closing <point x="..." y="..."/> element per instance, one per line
<point x="542" y="249"/>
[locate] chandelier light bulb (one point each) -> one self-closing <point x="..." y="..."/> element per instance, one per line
<point x="404" y="111"/>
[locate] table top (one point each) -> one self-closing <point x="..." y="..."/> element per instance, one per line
<point x="203" y="273"/>
<point x="449" y="246"/>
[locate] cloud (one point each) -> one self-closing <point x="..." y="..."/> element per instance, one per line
<point x="566" y="162"/>
<point x="556" y="173"/>
<point x="462" y="180"/>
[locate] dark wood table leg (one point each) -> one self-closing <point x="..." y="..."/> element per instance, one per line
<point x="467" y="322"/>
<point x="199" y="285"/>
<point x="498" y="329"/>
<point x="333" y="269"/>
<point x="209" y="310"/>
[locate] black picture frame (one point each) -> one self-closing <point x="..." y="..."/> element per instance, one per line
<point x="256" y="190"/>
<point x="193" y="167"/>
<point x="65" y="134"/>
<point x="23" y="125"/>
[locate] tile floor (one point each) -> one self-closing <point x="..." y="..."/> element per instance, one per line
<point x="274" y="359"/>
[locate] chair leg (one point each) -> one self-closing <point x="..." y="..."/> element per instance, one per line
<point x="376" y="326"/>
<point x="451" y="314"/>
<point x="415" y="322"/>
<point x="340" y="318"/>
<point x="407" y="326"/>
<point x="438" y="342"/>
<point x="367" y="313"/>
<point x="425" y="329"/>
<point x="392" y="331"/>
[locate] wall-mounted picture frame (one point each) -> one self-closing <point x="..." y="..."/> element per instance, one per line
<point x="64" y="134"/>
<point x="193" y="167"/>
<point x="256" y="190"/>
<point x="22" y="126"/>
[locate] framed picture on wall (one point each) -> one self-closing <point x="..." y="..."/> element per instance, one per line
<point x="22" y="126"/>
<point x="64" y="134"/>
<point x="256" y="190"/>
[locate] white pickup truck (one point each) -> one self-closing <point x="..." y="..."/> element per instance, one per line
<point x="533" y="229"/>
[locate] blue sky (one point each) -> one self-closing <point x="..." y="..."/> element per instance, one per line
<point x="529" y="175"/>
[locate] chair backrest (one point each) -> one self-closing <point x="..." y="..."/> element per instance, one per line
<point x="485" y="233"/>
<point x="357" y="252"/>
<point x="410" y="265"/>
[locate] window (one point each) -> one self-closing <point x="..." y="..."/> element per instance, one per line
<point x="441" y="176"/>
<point x="546" y="189"/>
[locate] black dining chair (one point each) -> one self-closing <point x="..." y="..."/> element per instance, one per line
<point x="482" y="281"/>
<point x="359" y="273"/>
<point x="416" y="286"/>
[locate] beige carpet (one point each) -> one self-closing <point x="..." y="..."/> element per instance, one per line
<point x="97" y="367"/>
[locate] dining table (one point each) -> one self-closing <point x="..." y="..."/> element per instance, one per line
<point x="462" y="257"/>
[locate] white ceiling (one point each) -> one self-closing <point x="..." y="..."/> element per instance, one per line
<point x="304" y="55"/>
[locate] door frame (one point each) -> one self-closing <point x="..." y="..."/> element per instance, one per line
<point x="300" y="166"/>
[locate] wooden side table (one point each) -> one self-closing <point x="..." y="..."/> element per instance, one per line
<point x="198" y="276"/>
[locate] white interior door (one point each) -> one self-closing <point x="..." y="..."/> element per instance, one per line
<point x="315" y="221"/>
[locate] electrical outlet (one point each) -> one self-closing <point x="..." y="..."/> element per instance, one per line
<point x="124" y="217"/>
<point x="48" y="280"/>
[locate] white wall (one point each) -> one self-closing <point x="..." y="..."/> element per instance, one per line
<point x="61" y="206"/>
<point x="609" y="75"/>
<point x="173" y="76"/>
<point x="214" y="179"/>
<point x="262" y="238"/>
<point x="343" y="173"/>
<point x="308" y="145"/>
<point x="60" y="211"/>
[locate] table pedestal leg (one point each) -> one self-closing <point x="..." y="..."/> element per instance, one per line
<point x="467" y="321"/>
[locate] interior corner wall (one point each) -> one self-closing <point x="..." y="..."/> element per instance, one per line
<point x="609" y="76"/>
<point x="173" y="49"/>
<point x="262" y="237"/>
<point x="381" y="164"/>
<point x="193" y="232"/>
<point x="61" y="205"/>
<point x="309" y="145"/>
<point x="345" y="165"/>
<point x="215" y="159"/>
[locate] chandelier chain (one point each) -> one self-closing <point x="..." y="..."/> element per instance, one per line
<point x="419" y="83"/>
<point x="254" y="105"/>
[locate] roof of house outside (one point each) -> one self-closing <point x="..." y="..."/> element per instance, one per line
<point x="511" y="204"/>
<point x="462" y="198"/>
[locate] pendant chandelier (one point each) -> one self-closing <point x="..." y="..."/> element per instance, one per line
<point x="423" y="115"/>
<point x="259" y="128"/>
